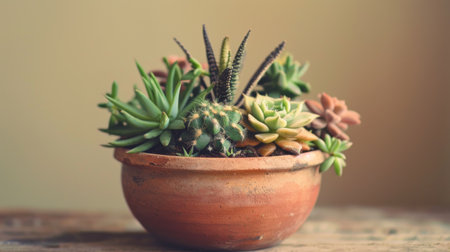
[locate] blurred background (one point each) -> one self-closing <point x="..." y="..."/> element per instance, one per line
<point x="390" y="60"/>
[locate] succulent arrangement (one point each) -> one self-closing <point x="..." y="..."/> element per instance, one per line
<point x="192" y="109"/>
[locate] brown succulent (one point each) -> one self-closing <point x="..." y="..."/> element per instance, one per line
<point x="334" y="116"/>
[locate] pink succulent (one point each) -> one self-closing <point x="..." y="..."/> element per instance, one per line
<point x="334" y="115"/>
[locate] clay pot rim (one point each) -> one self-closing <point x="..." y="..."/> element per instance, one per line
<point x="272" y="163"/>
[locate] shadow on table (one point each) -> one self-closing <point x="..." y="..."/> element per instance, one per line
<point x="117" y="241"/>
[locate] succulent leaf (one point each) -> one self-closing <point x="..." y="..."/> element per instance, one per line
<point x="213" y="70"/>
<point x="150" y="108"/>
<point x="130" y="109"/>
<point x="225" y="54"/>
<point x="165" y="137"/>
<point x="144" y="146"/>
<point x="327" y="164"/>
<point x="267" y="137"/>
<point x="237" y="64"/>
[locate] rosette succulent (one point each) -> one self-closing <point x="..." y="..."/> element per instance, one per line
<point x="334" y="116"/>
<point x="150" y="118"/>
<point x="334" y="148"/>
<point x="283" y="78"/>
<point x="277" y="122"/>
<point x="213" y="127"/>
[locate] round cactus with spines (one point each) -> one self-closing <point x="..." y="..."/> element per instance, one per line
<point x="213" y="127"/>
<point x="277" y="122"/>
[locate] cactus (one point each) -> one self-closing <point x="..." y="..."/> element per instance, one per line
<point x="149" y="119"/>
<point x="277" y="122"/>
<point x="283" y="78"/>
<point x="334" y="116"/>
<point x="213" y="127"/>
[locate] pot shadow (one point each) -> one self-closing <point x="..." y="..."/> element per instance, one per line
<point x="104" y="241"/>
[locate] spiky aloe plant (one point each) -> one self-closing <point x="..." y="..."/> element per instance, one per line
<point x="225" y="75"/>
<point x="277" y="122"/>
<point x="283" y="78"/>
<point x="149" y="119"/>
<point x="334" y="147"/>
<point x="213" y="127"/>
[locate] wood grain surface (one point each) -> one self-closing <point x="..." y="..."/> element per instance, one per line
<point x="327" y="229"/>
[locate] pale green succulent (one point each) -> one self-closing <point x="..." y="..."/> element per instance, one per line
<point x="283" y="78"/>
<point x="150" y="118"/>
<point x="333" y="147"/>
<point x="278" y="121"/>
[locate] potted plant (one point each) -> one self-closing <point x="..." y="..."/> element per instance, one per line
<point x="206" y="167"/>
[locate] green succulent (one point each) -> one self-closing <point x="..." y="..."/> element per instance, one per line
<point x="334" y="147"/>
<point x="213" y="127"/>
<point x="278" y="122"/>
<point x="150" y="118"/>
<point x="283" y="78"/>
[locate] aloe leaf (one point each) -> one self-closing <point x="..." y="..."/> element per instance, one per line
<point x="188" y="55"/>
<point x="114" y="90"/>
<point x="194" y="102"/>
<point x="213" y="69"/>
<point x="326" y="164"/>
<point x="259" y="73"/>
<point x="149" y="107"/>
<point x="164" y="121"/>
<point x="128" y="141"/>
<point x="174" y="109"/>
<point x="237" y="64"/>
<point x="165" y="137"/>
<point x="152" y="133"/>
<point x="149" y="87"/>
<point x="102" y="105"/>
<point x="160" y="98"/>
<point x="222" y="90"/>
<point x="125" y="107"/>
<point x="143" y="147"/>
<point x="138" y="123"/>
<point x="125" y="132"/>
<point x="172" y="79"/>
<point x="188" y="91"/>
<point x="224" y="54"/>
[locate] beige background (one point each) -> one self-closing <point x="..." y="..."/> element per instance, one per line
<point x="389" y="59"/>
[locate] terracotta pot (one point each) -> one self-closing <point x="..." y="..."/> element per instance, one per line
<point x="221" y="203"/>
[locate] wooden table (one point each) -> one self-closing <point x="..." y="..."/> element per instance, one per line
<point x="327" y="229"/>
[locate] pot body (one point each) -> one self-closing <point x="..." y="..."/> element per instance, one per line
<point x="220" y="203"/>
